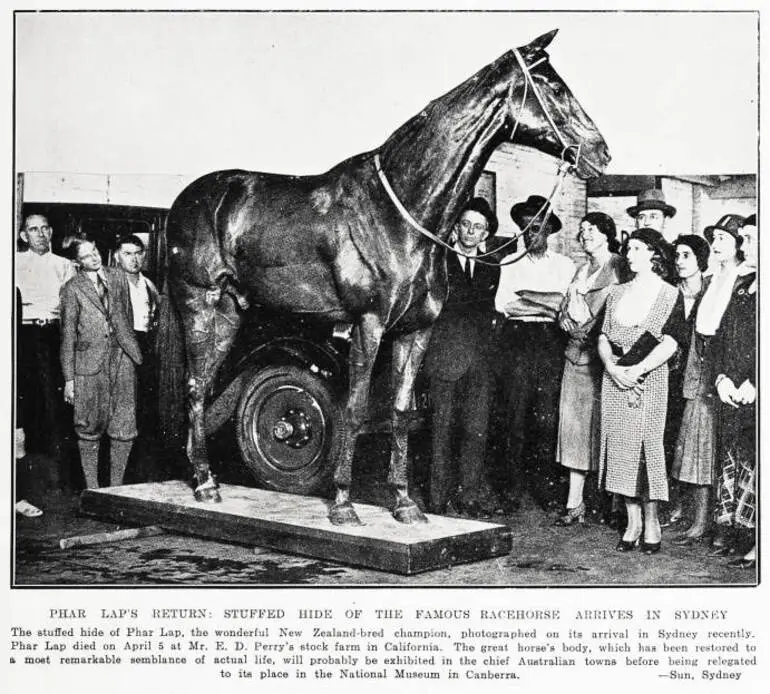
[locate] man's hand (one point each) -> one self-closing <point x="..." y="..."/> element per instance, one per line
<point x="69" y="392"/>
<point x="566" y="323"/>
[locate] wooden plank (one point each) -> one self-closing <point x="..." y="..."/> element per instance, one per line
<point x="114" y="536"/>
<point x="300" y="524"/>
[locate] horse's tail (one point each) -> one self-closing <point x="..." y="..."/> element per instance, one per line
<point x="171" y="369"/>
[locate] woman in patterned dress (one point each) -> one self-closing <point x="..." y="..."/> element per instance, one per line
<point x="695" y="454"/>
<point x="735" y="382"/>
<point x="578" y="442"/>
<point x="644" y="316"/>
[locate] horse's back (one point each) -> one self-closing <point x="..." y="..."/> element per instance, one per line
<point x="283" y="239"/>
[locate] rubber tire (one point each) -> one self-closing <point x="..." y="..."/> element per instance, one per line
<point x="314" y="477"/>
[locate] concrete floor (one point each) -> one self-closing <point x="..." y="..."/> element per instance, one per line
<point x="542" y="555"/>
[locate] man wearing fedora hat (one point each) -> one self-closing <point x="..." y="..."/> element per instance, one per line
<point x="532" y="348"/>
<point x="457" y="363"/>
<point x="651" y="210"/>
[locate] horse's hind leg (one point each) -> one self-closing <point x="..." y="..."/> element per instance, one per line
<point x="408" y="352"/>
<point x="211" y="320"/>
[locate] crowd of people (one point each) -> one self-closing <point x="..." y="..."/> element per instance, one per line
<point x="85" y="339"/>
<point x="636" y="367"/>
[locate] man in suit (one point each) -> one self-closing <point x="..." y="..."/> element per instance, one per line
<point x="457" y="362"/>
<point x="98" y="355"/>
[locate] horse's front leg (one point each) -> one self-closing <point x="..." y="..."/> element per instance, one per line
<point x="408" y="352"/>
<point x="363" y="351"/>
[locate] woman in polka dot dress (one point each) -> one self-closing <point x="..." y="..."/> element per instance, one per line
<point x="644" y="324"/>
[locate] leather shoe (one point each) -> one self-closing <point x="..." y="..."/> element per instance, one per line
<point x="480" y="506"/>
<point x="443" y="508"/>
<point x="650" y="548"/>
<point x="627" y="545"/>
<point x="571" y="516"/>
<point x="510" y="503"/>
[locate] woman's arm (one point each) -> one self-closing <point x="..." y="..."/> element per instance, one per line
<point x="618" y="374"/>
<point x="657" y="357"/>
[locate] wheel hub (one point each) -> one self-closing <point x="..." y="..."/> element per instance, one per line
<point x="293" y="429"/>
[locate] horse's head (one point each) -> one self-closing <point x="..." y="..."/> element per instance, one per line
<point x="546" y="115"/>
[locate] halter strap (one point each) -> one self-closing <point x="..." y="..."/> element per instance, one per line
<point x="546" y="208"/>
<point x="528" y="79"/>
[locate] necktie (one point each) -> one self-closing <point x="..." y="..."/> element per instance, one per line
<point x="468" y="276"/>
<point x="101" y="290"/>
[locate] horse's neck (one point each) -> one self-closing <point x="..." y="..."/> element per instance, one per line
<point x="434" y="160"/>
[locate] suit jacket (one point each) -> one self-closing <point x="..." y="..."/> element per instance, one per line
<point x="736" y="357"/>
<point x="86" y="328"/>
<point x="463" y="330"/>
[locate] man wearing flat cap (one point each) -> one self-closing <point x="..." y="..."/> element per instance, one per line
<point x="532" y="351"/>
<point x="651" y="210"/>
<point x="457" y="362"/>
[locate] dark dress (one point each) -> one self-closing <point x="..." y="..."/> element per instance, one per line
<point x="676" y="366"/>
<point x="736" y="485"/>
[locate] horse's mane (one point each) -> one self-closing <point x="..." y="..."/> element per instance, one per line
<point x="457" y="131"/>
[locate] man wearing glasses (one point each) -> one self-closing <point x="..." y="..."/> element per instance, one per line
<point x="40" y="275"/>
<point x="457" y="362"/>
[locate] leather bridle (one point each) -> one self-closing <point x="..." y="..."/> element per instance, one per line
<point x="545" y="210"/>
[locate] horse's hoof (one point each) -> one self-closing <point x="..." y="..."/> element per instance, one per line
<point x="208" y="492"/>
<point x="344" y="514"/>
<point x="408" y="512"/>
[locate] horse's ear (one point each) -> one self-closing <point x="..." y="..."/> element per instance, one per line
<point x="540" y="43"/>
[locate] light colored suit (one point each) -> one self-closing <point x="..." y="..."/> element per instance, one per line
<point x="98" y="353"/>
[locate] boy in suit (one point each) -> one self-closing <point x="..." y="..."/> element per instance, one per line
<point x="98" y="354"/>
<point x="457" y="362"/>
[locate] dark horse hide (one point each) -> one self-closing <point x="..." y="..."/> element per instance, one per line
<point x="336" y="245"/>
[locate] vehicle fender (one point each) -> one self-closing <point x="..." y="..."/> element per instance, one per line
<point x="323" y="360"/>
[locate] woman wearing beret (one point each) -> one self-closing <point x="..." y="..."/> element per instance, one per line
<point x="578" y="443"/>
<point x="736" y="497"/>
<point x="695" y="453"/>
<point x="643" y="326"/>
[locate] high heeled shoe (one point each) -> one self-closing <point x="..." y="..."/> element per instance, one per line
<point x="572" y="516"/>
<point x="649" y="548"/>
<point x="627" y="545"/>
<point x="743" y="563"/>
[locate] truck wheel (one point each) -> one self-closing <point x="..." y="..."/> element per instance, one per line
<point x="289" y="429"/>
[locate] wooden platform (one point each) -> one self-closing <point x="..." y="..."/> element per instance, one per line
<point x="300" y="524"/>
